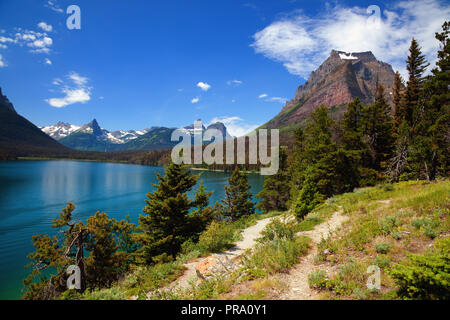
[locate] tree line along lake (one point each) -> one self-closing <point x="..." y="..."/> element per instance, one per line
<point x="32" y="193"/>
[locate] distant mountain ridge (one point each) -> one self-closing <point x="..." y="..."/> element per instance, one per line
<point x="91" y="137"/>
<point x="20" y="137"/>
<point x="340" y="79"/>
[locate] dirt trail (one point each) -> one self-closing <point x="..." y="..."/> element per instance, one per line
<point x="249" y="236"/>
<point x="297" y="278"/>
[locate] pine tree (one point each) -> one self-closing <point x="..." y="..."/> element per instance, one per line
<point x="99" y="237"/>
<point x="430" y="143"/>
<point x="106" y="261"/>
<point x="238" y="198"/>
<point x="275" y="194"/>
<point x="167" y="222"/>
<point x="399" y="113"/>
<point x="377" y="131"/>
<point x="416" y="66"/>
<point x="320" y="160"/>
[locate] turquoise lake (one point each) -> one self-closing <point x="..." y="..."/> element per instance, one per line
<point x="32" y="193"/>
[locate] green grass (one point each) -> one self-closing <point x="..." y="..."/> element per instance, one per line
<point x="386" y="224"/>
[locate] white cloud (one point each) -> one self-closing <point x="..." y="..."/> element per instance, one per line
<point x="42" y="43"/>
<point x="77" y="93"/>
<point x="3" y="46"/>
<point x="44" y="26"/>
<point x="48" y="61"/>
<point x="57" y="82"/>
<point x="195" y="100"/>
<point x="301" y="42"/>
<point x="81" y="95"/>
<point x="204" y="86"/>
<point x="266" y="97"/>
<point x="6" y="39"/>
<point x="236" y="126"/>
<point x="277" y="99"/>
<point x="39" y="42"/>
<point x="77" y="79"/>
<point x="2" y="62"/>
<point x="53" y="5"/>
<point x="234" y="82"/>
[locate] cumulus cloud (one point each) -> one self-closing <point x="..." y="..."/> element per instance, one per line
<point x="302" y="42"/>
<point x="77" y="92"/>
<point x="44" y="26"/>
<point x="2" y="62"/>
<point x="236" y="126"/>
<point x="48" y="61"/>
<point x="204" y="86"/>
<point x="195" y="100"/>
<point x="38" y="42"/>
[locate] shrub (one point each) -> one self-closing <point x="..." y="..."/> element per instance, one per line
<point x="388" y="224"/>
<point x="425" y="276"/>
<point x="351" y="275"/>
<point x="276" y="230"/>
<point x="381" y="261"/>
<point x="276" y="255"/>
<point x="317" y="279"/>
<point x="217" y="237"/>
<point x="307" y="199"/>
<point x="383" y="247"/>
<point x="429" y="227"/>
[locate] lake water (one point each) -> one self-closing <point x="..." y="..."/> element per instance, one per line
<point x="32" y="193"/>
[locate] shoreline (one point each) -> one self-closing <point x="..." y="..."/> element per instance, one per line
<point x="119" y="162"/>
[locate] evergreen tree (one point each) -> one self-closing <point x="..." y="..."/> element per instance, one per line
<point x="416" y="66"/>
<point x="275" y="194"/>
<point x="238" y="198"/>
<point x="321" y="167"/>
<point x="429" y="155"/>
<point x="107" y="258"/>
<point x="308" y="198"/>
<point x="167" y="222"/>
<point x="399" y="113"/>
<point x="377" y="131"/>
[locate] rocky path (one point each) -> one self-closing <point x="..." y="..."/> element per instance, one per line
<point x="297" y="278"/>
<point x="249" y="236"/>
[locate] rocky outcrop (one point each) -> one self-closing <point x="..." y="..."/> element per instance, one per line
<point x="340" y="79"/>
<point x="215" y="266"/>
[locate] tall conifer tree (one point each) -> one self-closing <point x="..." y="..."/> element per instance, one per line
<point x="166" y="222"/>
<point x="238" y="198"/>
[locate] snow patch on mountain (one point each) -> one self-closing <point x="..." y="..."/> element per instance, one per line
<point x="344" y="56"/>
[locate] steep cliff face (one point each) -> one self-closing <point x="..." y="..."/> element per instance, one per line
<point x="339" y="80"/>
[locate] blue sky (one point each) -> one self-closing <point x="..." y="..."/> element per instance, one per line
<point x="138" y="63"/>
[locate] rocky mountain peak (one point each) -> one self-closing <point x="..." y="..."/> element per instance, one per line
<point x="341" y="78"/>
<point x="95" y="127"/>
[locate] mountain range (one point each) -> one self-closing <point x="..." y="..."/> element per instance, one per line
<point x="341" y="78"/>
<point x="91" y="137"/>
